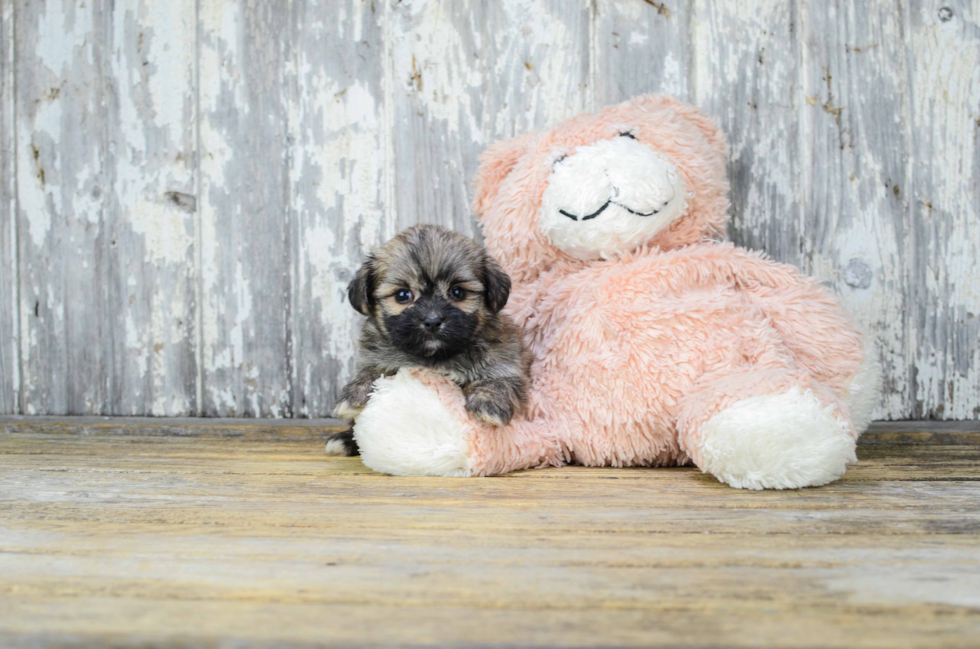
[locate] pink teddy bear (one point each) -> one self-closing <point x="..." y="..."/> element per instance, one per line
<point x="653" y="344"/>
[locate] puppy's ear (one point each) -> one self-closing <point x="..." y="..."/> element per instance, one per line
<point x="497" y="284"/>
<point x="362" y="286"/>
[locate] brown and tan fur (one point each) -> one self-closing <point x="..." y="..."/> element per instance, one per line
<point x="433" y="299"/>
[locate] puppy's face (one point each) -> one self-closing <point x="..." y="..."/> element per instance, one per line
<point x="430" y="291"/>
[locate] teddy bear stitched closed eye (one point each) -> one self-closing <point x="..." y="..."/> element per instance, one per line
<point x="653" y="343"/>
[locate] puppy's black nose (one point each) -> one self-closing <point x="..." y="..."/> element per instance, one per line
<point x="432" y="321"/>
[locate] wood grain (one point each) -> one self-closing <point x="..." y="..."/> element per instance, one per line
<point x="643" y="47"/>
<point x="63" y="231"/>
<point x="339" y="171"/>
<point x="467" y="73"/>
<point x="9" y="334"/>
<point x="260" y="540"/>
<point x="749" y="84"/>
<point x="151" y="207"/>
<point x="244" y="234"/>
<point x="944" y="234"/>
<point x="437" y="75"/>
<point x="855" y="196"/>
<point x="539" y="70"/>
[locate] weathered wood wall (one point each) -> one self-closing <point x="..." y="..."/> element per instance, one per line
<point x="186" y="186"/>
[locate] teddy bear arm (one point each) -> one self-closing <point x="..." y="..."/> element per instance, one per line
<point x="416" y="423"/>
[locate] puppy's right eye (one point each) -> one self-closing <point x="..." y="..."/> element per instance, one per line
<point x="403" y="296"/>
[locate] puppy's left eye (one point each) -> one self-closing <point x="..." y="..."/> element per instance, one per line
<point x="403" y="296"/>
<point x="457" y="293"/>
<point x="628" y="134"/>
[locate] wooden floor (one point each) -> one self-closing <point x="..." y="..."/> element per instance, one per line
<point x="233" y="534"/>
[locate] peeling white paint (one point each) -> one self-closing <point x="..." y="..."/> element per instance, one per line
<point x="36" y="189"/>
<point x="62" y="30"/>
<point x="674" y="76"/>
<point x="209" y="251"/>
<point x="10" y="381"/>
<point x="166" y="232"/>
<point x="549" y="40"/>
<point x="434" y="65"/>
<point x="636" y="38"/>
<point x="946" y="323"/>
<point x="331" y="292"/>
<point x="338" y="187"/>
<point x="152" y="64"/>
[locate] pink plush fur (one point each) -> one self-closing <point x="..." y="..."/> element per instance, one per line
<point x="634" y="354"/>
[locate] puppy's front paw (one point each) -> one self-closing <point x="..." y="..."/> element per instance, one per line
<point x="489" y="408"/>
<point x="342" y="444"/>
<point x="347" y="411"/>
<point x="355" y="395"/>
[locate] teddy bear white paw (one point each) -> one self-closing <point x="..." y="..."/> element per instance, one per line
<point x="777" y="441"/>
<point x="406" y="430"/>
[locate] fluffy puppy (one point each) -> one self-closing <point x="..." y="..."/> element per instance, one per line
<point x="433" y="299"/>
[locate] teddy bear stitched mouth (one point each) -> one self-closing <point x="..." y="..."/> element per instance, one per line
<point x="604" y="206"/>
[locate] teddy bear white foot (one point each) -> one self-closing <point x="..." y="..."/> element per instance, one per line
<point x="777" y="441"/>
<point x="406" y="430"/>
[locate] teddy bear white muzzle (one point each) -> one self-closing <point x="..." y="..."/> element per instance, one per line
<point x="610" y="197"/>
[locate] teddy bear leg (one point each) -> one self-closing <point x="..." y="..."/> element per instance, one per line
<point x="416" y="424"/>
<point x="767" y="429"/>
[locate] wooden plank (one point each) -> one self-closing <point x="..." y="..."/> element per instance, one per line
<point x="152" y="461"/>
<point x="437" y="71"/>
<point x="747" y="77"/>
<point x="262" y="541"/>
<point x="9" y="311"/>
<point x="465" y="74"/>
<point x="855" y="199"/>
<point x="157" y="454"/>
<point x="338" y="175"/>
<point x="294" y="623"/>
<point x="61" y="183"/>
<point x="150" y="207"/>
<point x="643" y="47"/>
<point x="244" y="237"/>
<point x="537" y="71"/>
<point x="944" y="237"/>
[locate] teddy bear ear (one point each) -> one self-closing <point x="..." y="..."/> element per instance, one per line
<point x="714" y="135"/>
<point x="495" y="164"/>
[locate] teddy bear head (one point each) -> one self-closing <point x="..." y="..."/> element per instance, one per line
<point x="646" y="175"/>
